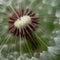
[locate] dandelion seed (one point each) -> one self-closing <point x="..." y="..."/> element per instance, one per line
<point x="25" y="20"/>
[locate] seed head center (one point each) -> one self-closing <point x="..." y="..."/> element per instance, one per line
<point x="22" y="22"/>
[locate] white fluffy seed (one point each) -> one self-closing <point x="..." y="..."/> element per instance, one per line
<point x="22" y="22"/>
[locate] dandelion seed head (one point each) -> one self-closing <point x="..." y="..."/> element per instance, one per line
<point x="23" y="23"/>
<point x="26" y="22"/>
